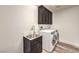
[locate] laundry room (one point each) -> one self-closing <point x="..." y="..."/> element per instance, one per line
<point x="39" y="28"/>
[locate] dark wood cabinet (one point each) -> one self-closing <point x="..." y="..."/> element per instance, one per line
<point x="44" y="15"/>
<point x="32" y="46"/>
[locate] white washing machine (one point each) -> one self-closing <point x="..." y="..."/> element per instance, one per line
<point x="50" y="38"/>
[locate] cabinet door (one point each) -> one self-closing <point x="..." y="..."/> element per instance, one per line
<point x="36" y="45"/>
<point x="47" y="17"/>
<point x="36" y="48"/>
<point x="26" y="45"/>
<point x="40" y="15"/>
<point x="50" y="18"/>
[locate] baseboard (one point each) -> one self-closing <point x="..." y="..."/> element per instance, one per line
<point x="68" y="42"/>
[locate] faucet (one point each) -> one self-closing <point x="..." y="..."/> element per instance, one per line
<point x="33" y="29"/>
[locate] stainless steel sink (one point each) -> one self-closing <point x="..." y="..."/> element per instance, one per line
<point x="31" y="37"/>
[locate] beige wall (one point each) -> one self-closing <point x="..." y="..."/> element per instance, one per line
<point x="15" y="21"/>
<point x="67" y="22"/>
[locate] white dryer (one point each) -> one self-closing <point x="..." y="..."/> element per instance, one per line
<point x="50" y="38"/>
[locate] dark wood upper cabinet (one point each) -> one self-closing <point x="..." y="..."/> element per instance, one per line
<point x="44" y="15"/>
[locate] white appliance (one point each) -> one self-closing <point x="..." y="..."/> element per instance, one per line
<point x="50" y="38"/>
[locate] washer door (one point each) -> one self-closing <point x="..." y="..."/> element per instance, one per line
<point x="54" y="41"/>
<point x="55" y="38"/>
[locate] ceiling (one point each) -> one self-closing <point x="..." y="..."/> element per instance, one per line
<point x="58" y="7"/>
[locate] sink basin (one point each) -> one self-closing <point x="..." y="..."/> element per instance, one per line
<point x="31" y="37"/>
<point x="48" y="30"/>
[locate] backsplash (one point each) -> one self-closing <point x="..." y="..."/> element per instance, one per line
<point x="42" y="26"/>
<point x="36" y="28"/>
